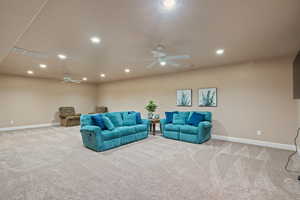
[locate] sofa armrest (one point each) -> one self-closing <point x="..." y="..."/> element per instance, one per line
<point x="91" y="128"/>
<point x="146" y="121"/>
<point x="78" y="114"/>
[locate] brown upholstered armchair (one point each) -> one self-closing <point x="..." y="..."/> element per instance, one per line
<point x="101" y="109"/>
<point x="68" y="117"/>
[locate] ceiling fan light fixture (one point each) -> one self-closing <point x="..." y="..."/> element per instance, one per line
<point x="84" y="79"/>
<point x="127" y="70"/>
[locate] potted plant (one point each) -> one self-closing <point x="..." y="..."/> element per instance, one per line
<point x="151" y="107"/>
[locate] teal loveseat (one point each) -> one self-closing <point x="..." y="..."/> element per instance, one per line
<point x="188" y="133"/>
<point x="97" y="139"/>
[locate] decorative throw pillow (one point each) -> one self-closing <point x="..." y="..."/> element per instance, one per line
<point x="115" y="118"/>
<point x="169" y="116"/>
<point x="195" y="119"/>
<point x="178" y="119"/>
<point x="109" y="125"/>
<point x="138" y="118"/>
<point x="98" y="121"/>
<point x="129" y="119"/>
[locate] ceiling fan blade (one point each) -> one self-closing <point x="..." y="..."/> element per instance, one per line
<point x="177" y="57"/>
<point x="173" y="64"/>
<point x="151" y="65"/>
<point x="76" y="81"/>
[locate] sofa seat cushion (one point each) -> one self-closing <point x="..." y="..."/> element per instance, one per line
<point x="172" y="127"/>
<point x="189" y="129"/>
<point x="141" y="127"/>
<point x="126" y="130"/>
<point x="109" y="135"/>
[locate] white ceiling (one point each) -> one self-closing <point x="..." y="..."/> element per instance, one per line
<point x="129" y="29"/>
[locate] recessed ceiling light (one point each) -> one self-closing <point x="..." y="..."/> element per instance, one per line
<point x="62" y="56"/>
<point x="220" y="51"/>
<point x="43" y="66"/>
<point x="127" y="70"/>
<point x="95" y="40"/>
<point x="102" y="75"/>
<point x="30" y="72"/>
<point x="169" y="4"/>
<point x="163" y="63"/>
<point x="84" y="78"/>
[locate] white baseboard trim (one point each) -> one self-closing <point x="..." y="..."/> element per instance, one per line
<point x="28" y="127"/>
<point x="255" y="142"/>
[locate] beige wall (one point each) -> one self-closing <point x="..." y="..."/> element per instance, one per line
<point x="298" y="111"/>
<point x="29" y="101"/>
<point x="252" y="96"/>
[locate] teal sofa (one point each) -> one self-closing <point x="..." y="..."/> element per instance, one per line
<point x="188" y="133"/>
<point x="95" y="138"/>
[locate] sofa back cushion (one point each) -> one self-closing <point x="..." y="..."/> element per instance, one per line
<point x="185" y="115"/>
<point x="195" y="119"/>
<point x="98" y="121"/>
<point x="129" y="119"/>
<point x="169" y="116"/>
<point x="108" y="123"/>
<point x="178" y="119"/>
<point x="116" y="118"/>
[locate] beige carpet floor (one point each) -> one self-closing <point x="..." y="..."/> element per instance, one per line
<point x="51" y="163"/>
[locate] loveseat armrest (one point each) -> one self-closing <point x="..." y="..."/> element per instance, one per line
<point x="205" y="130"/>
<point x="205" y="124"/>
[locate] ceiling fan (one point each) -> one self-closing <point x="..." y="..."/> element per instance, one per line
<point x="162" y="58"/>
<point x="68" y="79"/>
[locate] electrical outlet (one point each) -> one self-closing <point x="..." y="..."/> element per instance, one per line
<point x="12" y="122"/>
<point x="259" y="132"/>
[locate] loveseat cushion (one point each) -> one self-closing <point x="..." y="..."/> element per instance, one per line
<point x="126" y="130"/>
<point x="189" y="129"/>
<point x="109" y="135"/>
<point x="172" y="127"/>
<point x="169" y="116"/>
<point x="195" y="119"/>
<point x="141" y="127"/>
